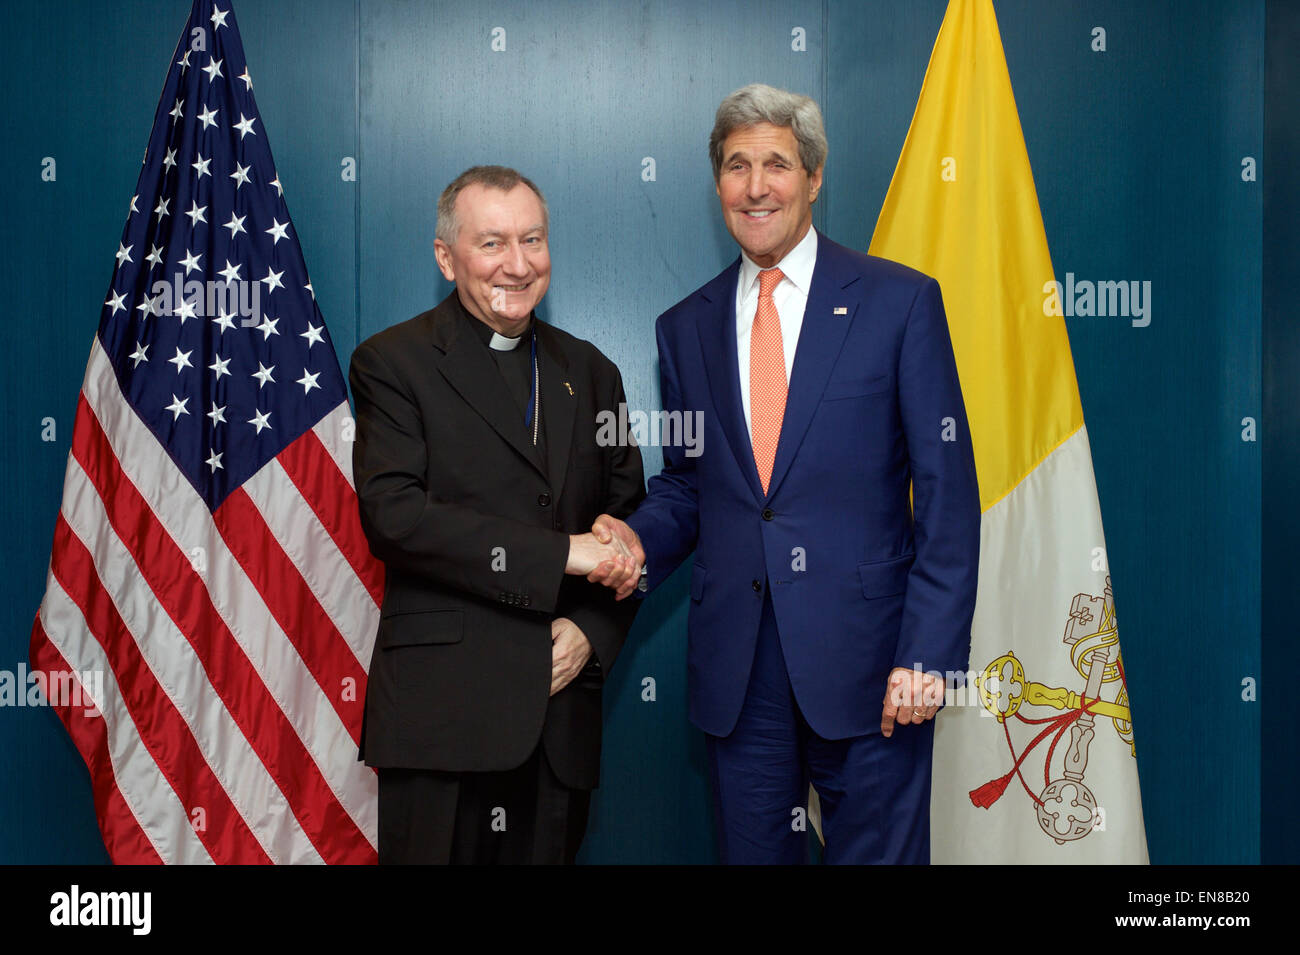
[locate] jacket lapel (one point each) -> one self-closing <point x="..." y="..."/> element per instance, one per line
<point x="559" y="406"/>
<point x="717" y="331"/>
<point x="470" y="370"/>
<point x="820" y="339"/>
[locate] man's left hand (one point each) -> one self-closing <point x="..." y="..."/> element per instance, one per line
<point x="911" y="696"/>
<point x="570" y="651"/>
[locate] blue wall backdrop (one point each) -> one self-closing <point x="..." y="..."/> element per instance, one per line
<point x="1137" y="154"/>
<point x="1281" y="453"/>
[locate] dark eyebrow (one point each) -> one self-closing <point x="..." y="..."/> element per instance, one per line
<point x="771" y="155"/>
<point x="492" y="234"/>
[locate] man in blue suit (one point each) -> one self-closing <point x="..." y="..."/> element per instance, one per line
<point x="825" y="609"/>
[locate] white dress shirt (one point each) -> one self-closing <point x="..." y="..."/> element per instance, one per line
<point x="790" y="298"/>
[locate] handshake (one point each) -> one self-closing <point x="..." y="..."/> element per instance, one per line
<point x="610" y="554"/>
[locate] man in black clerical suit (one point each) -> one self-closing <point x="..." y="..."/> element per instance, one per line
<point x="476" y="464"/>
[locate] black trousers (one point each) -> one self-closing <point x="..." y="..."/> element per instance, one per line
<point x="522" y="816"/>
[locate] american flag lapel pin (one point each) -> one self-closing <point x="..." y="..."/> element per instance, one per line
<point x="841" y="310"/>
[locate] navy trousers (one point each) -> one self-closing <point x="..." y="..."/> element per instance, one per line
<point x="874" y="791"/>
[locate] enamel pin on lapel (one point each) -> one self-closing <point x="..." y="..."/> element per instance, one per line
<point x="841" y="310"/>
<point x="569" y="386"/>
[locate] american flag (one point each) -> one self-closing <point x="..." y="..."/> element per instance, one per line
<point x="210" y="590"/>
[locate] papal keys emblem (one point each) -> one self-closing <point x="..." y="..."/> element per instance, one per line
<point x="1066" y="807"/>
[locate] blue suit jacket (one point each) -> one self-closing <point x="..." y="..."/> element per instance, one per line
<point x="860" y="581"/>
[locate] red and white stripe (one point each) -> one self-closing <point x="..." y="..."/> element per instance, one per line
<point x="233" y="644"/>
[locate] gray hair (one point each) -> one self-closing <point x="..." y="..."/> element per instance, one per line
<point x="760" y="103"/>
<point x="489" y="177"/>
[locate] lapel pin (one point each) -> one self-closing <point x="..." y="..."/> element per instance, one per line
<point x="841" y="310"/>
<point x="569" y="386"/>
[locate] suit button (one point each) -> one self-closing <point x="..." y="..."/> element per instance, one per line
<point x="758" y="586"/>
<point x="543" y="500"/>
<point x="768" y="513"/>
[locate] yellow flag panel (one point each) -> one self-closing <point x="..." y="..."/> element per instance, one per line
<point x="962" y="208"/>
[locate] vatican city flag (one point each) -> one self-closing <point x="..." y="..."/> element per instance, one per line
<point x="1037" y="763"/>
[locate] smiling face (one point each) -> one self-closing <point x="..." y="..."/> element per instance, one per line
<point x="765" y="192"/>
<point x="499" y="261"/>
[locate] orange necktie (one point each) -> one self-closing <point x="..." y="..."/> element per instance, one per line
<point x="767" y="382"/>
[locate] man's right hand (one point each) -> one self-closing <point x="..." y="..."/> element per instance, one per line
<point x="610" y="530"/>
<point x="587" y="555"/>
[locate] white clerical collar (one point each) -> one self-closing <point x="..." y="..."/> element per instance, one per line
<point x="797" y="266"/>
<point x="501" y="343"/>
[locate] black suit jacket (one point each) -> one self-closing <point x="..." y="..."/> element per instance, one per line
<point x="473" y="527"/>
